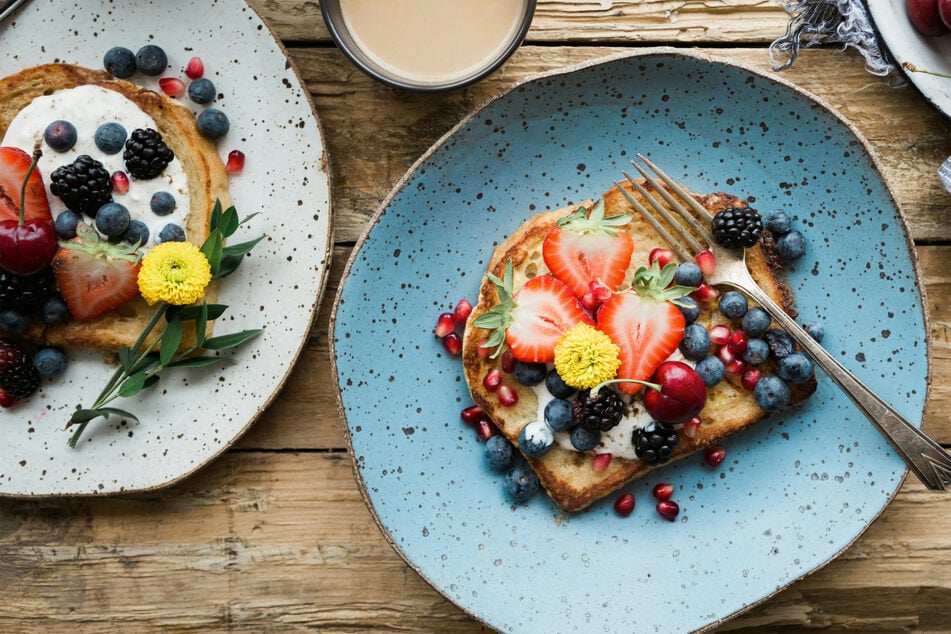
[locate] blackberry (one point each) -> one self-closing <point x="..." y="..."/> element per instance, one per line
<point x="18" y="375"/>
<point x="25" y="293"/>
<point x="600" y="412"/>
<point x="83" y="185"/>
<point x="655" y="444"/>
<point x="146" y="154"/>
<point x="737" y="227"/>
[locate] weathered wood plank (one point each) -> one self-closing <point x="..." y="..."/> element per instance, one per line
<point x="283" y="542"/>
<point x="375" y="134"/>
<point x="735" y="21"/>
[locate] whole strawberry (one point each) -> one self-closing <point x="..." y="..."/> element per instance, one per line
<point x="18" y="376"/>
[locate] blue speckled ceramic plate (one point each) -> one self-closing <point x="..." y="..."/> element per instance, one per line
<point x="794" y="491"/>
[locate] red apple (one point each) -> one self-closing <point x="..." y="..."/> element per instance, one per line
<point x="925" y="17"/>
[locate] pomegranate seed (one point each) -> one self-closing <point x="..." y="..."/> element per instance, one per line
<point x="601" y="461"/>
<point x="663" y="257"/>
<point x="601" y="292"/>
<point x="235" y="164"/>
<point x="492" y="379"/>
<point x="508" y="362"/>
<point x="668" y="509"/>
<point x="6" y="400"/>
<point x="452" y="343"/>
<point x="485" y="429"/>
<point x="172" y="86"/>
<point x="705" y="293"/>
<point x="462" y="311"/>
<point x="663" y="490"/>
<point x="589" y="301"/>
<point x="750" y="379"/>
<point x="195" y="68"/>
<point x="120" y="182"/>
<point x="508" y="397"/>
<point x="714" y="455"/>
<point x="706" y="261"/>
<point x="624" y="504"/>
<point x="692" y="427"/>
<point x="726" y="355"/>
<point x="720" y="335"/>
<point x="472" y="415"/>
<point x="736" y="367"/>
<point x="445" y="324"/>
<point x="738" y="341"/>
<point x="483" y="350"/>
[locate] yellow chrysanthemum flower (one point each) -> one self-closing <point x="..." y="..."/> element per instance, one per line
<point x="175" y="273"/>
<point x="586" y="357"/>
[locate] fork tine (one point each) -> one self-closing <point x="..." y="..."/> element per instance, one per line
<point x="660" y="209"/>
<point x="689" y="218"/>
<point x="659" y="228"/>
<point x="699" y="209"/>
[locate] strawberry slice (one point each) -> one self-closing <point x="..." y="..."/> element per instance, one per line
<point x="533" y="319"/>
<point x="94" y="276"/>
<point x="586" y="247"/>
<point x="644" y="323"/>
<point x="14" y="165"/>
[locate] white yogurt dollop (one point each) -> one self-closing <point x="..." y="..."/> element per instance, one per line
<point x="87" y="108"/>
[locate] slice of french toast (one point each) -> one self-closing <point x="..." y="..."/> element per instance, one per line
<point x="207" y="182"/>
<point x="569" y="475"/>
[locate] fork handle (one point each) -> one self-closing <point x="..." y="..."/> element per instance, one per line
<point x="930" y="462"/>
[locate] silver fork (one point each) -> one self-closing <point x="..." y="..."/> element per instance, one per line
<point x="930" y="462"/>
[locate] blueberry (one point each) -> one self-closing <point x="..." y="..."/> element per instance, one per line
<point x="112" y="220"/>
<point x="498" y="453"/>
<point x="162" y="203"/>
<point x="13" y="322"/>
<point x="137" y="233"/>
<point x="55" y="310"/>
<point x="756" y="351"/>
<point x="558" y="414"/>
<point x="213" y="123"/>
<point x="795" y="367"/>
<point x="119" y="62"/>
<point x="65" y="224"/>
<point x="520" y="482"/>
<point x="771" y="393"/>
<point x="536" y="439"/>
<point x="110" y="137"/>
<point x="171" y="233"/>
<point x="60" y="135"/>
<point x="529" y="374"/>
<point x="151" y="60"/>
<point x="780" y="343"/>
<point x="583" y="439"/>
<point x="49" y="362"/>
<point x="201" y="91"/>
<point x="711" y="370"/>
<point x="689" y="307"/>
<point x="791" y="246"/>
<point x="688" y="274"/>
<point x="556" y="385"/>
<point x="733" y="305"/>
<point x="756" y="321"/>
<point x="816" y="330"/>
<point x="778" y="222"/>
<point x="696" y="342"/>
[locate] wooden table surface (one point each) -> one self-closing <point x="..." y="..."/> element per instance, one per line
<point x="274" y="535"/>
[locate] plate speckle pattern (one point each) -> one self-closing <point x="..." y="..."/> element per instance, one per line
<point x="793" y="491"/>
<point x="190" y="416"/>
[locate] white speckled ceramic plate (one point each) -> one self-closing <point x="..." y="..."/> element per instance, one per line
<point x="191" y="416"/>
<point x="907" y="45"/>
<point x="794" y="491"/>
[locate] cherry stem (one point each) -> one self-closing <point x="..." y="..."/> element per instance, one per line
<point x="26" y="180"/>
<point x="653" y="386"/>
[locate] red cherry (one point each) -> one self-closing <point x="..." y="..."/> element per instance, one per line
<point x="28" y="246"/>
<point x="681" y="396"/>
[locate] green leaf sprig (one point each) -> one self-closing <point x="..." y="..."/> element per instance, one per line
<point x="141" y="364"/>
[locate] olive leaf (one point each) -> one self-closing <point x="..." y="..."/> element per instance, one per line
<point x="231" y="340"/>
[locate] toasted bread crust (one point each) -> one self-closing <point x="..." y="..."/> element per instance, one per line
<point x="566" y="475"/>
<point x="206" y="174"/>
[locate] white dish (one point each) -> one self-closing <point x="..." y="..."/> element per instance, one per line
<point x="191" y="416"/>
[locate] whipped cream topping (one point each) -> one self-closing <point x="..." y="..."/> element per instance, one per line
<point x="87" y="108"/>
